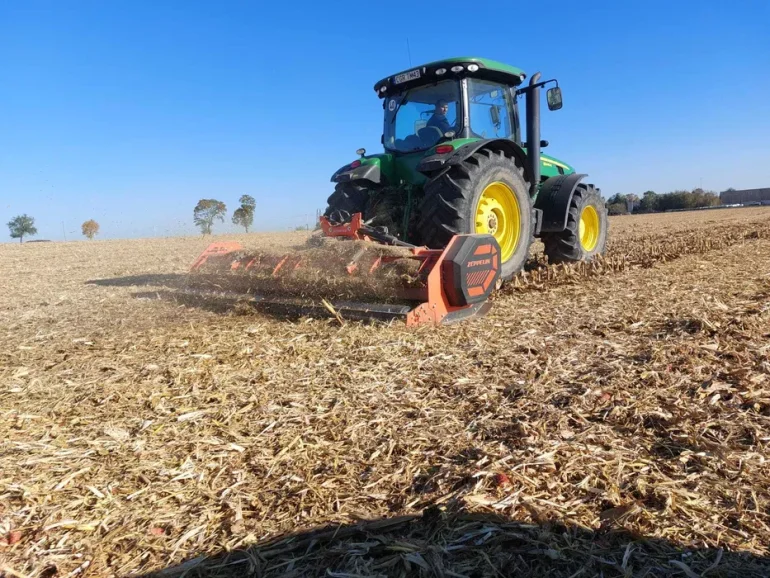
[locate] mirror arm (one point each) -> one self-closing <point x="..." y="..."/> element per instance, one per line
<point x="543" y="144"/>
<point x="536" y="85"/>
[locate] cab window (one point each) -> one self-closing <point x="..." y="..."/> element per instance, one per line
<point x="415" y="120"/>
<point x="490" y="109"/>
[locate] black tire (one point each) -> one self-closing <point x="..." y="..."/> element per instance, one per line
<point x="349" y="197"/>
<point x="451" y="200"/>
<point x="566" y="246"/>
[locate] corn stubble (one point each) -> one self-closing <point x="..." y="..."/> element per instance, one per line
<point x="605" y="419"/>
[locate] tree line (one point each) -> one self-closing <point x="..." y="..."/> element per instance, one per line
<point x="652" y="202"/>
<point x="206" y="212"/>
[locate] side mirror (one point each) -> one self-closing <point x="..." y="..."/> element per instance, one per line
<point x="553" y="96"/>
<point x="494" y="114"/>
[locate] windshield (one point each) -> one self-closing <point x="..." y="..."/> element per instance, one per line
<point x="418" y="119"/>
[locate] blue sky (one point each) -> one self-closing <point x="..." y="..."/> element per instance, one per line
<point x="129" y="112"/>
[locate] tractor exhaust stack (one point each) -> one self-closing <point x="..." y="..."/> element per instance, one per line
<point x="533" y="131"/>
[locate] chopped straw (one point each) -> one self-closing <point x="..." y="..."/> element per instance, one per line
<point x="605" y="419"/>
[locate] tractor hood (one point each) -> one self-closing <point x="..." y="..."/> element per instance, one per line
<point x="368" y="169"/>
<point x="386" y="168"/>
<point x="551" y="167"/>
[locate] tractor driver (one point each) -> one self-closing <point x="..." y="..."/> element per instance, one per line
<point x="438" y="119"/>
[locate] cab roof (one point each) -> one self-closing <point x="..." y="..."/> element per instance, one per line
<point x="426" y="74"/>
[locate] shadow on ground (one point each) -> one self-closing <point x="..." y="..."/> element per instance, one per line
<point x="172" y="281"/>
<point x="221" y="294"/>
<point x="212" y="303"/>
<point x="174" y="288"/>
<point x="438" y="544"/>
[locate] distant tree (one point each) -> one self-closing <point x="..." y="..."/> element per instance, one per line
<point x="617" y="198"/>
<point x="244" y="215"/>
<point x="703" y="198"/>
<point x="206" y="212"/>
<point x="617" y="209"/>
<point x="22" y="225"/>
<point x="90" y="228"/>
<point x="248" y="202"/>
<point x="649" y="202"/>
<point x="242" y="218"/>
<point x="687" y="200"/>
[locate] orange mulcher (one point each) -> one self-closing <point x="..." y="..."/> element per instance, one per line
<point x="454" y="282"/>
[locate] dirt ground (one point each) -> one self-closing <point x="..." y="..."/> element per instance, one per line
<point x="609" y="419"/>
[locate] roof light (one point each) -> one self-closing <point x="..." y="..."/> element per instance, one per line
<point x="355" y="164"/>
<point x="444" y="149"/>
<point x="473" y="67"/>
<point x="440" y="71"/>
<point x="383" y="88"/>
<point x="457" y="68"/>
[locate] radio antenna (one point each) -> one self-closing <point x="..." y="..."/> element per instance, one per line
<point x="408" y="51"/>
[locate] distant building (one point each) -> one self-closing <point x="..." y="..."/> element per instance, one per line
<point x="744" y="196"/>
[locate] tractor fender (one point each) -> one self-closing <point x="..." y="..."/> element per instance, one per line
<point x="434" y="165"/>
<point x="366" y="172"/>
<point x="554" y="199"/>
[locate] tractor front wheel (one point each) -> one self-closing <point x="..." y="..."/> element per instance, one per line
<point x="347" y="197"/>
<point x="486" y="193"/>
<point x="586" y="232"/>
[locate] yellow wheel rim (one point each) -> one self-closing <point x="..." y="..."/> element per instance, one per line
<point x="589" y="228"/>
<point x="498" y="214"/>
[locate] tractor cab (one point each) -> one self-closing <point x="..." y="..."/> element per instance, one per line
<point x="424" y="116"/>
<point x="449" y="100"/>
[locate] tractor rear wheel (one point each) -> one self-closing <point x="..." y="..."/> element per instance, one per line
<point x="486" y="193"/>
<point x="586" y="232"/>
<point x="348" y="197"/>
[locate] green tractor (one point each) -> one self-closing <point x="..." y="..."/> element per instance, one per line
<point x="455" y="163"/>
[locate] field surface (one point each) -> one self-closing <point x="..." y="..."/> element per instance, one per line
<point x="610" y="419"/>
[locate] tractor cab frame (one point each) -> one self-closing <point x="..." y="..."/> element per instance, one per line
<point x="483" y="99"/>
